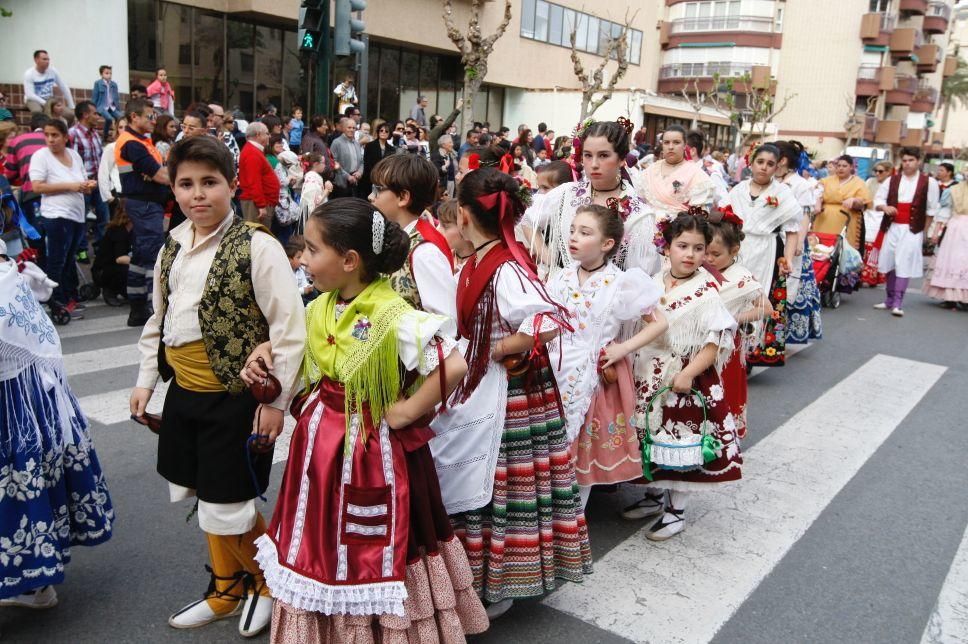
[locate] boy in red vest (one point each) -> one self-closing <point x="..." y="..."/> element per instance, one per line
<point x="909" y="201"/>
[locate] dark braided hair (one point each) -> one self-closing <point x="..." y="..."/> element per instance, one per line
<point x="484" y="182"/>
<point x="685" y="223"/>
<point x="347" y="224"/>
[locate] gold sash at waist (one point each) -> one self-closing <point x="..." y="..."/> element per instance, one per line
<point x="193" y="371"/>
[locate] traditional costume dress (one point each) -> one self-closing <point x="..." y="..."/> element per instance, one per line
<point x="52" y="492"/>
<point x="949" y="283"/>
<point x="426" y="280"/>
<point x="740" y="292"/>
<point x="603" y="442"/>
<point x="215" y="299"/>
<point x="697" y="317"/>
<point x="551" y="219"/>
<point x="873" y="239"/>
<point x="803" y="294"/>
<point x="531" y="529"/>
<point x="773" y="212"/>
<point x="360" y="548"/>
<point x="668" y="190"/>
<point x="834" y="216"/>
<point x="916" y="199"/>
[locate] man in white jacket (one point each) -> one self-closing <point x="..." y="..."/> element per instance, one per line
<point x="39" y="82"/>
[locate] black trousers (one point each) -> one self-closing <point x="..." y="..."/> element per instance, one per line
<point x="202" y="445"/>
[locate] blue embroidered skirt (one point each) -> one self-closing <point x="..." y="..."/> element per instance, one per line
<point x="804" y="323"/>
<point x="52" y="492"/>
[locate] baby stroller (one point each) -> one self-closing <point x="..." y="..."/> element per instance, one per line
<point x="825" y="251"/>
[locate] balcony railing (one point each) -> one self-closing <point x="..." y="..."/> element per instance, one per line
<point x="906" y="83"/>
<point x="939" y="9"/>
<point x="888" y="22"/>
<point x="704" y="70"/>
<point x="868" y="72"/>
<point x="926" y="94"/>
<point x="722" y="23"/>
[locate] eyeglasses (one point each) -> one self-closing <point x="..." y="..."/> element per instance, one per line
<point x="377" y="189"/>
<point x="880" y="171"/>
<point x="152" y="117"/>
<point x="409" y="132"/>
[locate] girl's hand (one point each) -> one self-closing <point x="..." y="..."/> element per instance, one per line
<point x="784" y="266"/>
<point x="497" y="353"/>
<point x="328" y="187"/>
<point x="682" y="383"/>
<point x="398" y="416"/>
<point x="612" y="354"/>
<point x="252" y="372"/>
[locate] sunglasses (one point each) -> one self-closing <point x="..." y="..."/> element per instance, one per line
<point x="880" y="171"/>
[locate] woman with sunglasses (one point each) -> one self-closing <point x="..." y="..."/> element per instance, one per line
<point x="374" y="152"/>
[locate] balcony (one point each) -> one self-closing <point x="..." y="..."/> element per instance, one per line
<point x="675" y="77"/>
<point x="925" y="99"/>
<point x="917" y="7"/>
<point x="905" y="41"/>
<point x="914" y="137"/>
<point x="937" y="17"/>
<point x="903" y="91"/>
<point x="950" y="65"/>
<point x="890" y="132"/>
<point x="870" y="127"/>
<point x="876" y="28"/>
<point x="929" y="55"/>
<point x="874" y="79"/>
<point x="743" y="31"/>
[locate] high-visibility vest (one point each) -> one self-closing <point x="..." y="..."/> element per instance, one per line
<point x="126" y="137"/>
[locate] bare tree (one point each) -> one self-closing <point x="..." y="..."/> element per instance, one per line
<point x="474" y="48"/>
<point x="616" y="47"/>
<point x="696" y="98"/>
<point x="757" y="109"/>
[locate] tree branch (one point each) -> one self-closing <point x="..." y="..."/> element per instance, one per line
<point x="453" y="33"/>
<point x="488" y="43"/>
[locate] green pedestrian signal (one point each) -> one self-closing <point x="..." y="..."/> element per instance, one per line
<point x="308" y="41"/>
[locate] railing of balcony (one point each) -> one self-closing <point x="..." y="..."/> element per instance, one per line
<point x="868" y="72"/>
<point x="906" y="83"/>
<point x="888" y="22"/>
<point x="722" y="23"/>
<point x="704" y="70"/>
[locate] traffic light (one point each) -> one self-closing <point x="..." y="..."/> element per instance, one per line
<point x="346" y="27"/>
<point x="313" y="18"/>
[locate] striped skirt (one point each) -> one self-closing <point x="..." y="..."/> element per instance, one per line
<point x="533" y="531"/>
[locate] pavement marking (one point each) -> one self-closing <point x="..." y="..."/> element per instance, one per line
<point x="112" y="407"/>
<point x="736" y="534"/>
<point x="80" y="328"/>
<point x="83" y="362"/>
<point x="949" y="619"/>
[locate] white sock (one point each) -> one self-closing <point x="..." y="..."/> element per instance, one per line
<point x="677" y="500"/>
<point x="584" y="491"/>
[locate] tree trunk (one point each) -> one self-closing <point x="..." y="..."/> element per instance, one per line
<point x="471" y="87"/>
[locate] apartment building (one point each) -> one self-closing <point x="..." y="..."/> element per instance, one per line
<point x="873" y="67"/>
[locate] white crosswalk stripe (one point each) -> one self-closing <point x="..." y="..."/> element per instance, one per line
<point x="109" y="358"/>
<point x="81" y="328"/>
<point x="949" y="620"/>
<point x="738" y="533"/>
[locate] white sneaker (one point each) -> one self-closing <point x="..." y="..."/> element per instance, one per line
<point x="199" y="613"/>
<point x="497" y="609"/>
<point x="669" y="525"/>
<point x="256" y="615"/>
<point x="897" y="312"/>
<point x="881" y="306"/>
<point x="648" y="506"/>
<point x="39" y="599"/>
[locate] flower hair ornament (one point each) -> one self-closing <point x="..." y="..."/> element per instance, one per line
<point x="626" y="124"/>
<point x="730" y="217"/>
<point x="576" y="137"/>
<point x="379" y="226"/>
<point x="525" y="191"/>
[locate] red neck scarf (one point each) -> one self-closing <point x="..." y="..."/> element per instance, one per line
<point x="432" y="235"/>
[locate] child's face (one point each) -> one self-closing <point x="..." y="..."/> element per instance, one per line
<point x="545" y="182"/>
<point x="163" y="76"/>
<point x="204" y="194"/>
<point x="390" y="203"/>
<point x="326" y="267"/>
<point x="457" y="243"/>
<point x="297" y="114"/>
<point x="686" y="252"/>
<point x="718" y="255"/>
<point x="542" y="154"/>
<point x="106" y="74"/>
<point x="587" y="244"/>
<point x="296" y="260"/>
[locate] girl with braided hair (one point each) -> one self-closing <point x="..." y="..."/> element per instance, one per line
<point x="525" y="529"/>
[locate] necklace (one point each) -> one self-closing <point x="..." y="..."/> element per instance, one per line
<point x="676" y="279"/>
<point x="589" y="271"/>
<point x="478" y="248"/>
<point x="605" y="192"/>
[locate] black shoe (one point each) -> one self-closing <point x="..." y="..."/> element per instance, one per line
<point x="140" y="313"/>
<point x="112" y="299"/>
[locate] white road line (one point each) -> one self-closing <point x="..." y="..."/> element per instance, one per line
<point x="80" y="328"/>
<point x="949" y="620"/>
<point x="83" y="362"/>
<point x="685" y="589"/>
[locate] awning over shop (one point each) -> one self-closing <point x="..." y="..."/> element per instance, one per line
<point x="677" y="108"/>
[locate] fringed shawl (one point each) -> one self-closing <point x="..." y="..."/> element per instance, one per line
<point x="774" y="209"/>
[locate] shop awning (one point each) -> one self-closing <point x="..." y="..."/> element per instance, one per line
<point x="676" y="108"/>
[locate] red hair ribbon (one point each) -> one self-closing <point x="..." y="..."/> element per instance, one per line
<point x="506" y="220"/>
<point x="731" y="217"/>
<point x="687" y="155"/>
<point x="507" y="164"/>
<point x="473" y="161"/>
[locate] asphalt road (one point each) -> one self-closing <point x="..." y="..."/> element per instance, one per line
<point x="849" y="524"/>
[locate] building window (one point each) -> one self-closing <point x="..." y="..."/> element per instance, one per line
<point x="880" y="6"/>
<point x="553" y="24"/>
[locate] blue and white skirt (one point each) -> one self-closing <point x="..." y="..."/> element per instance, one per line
<point x="803" y="315"/>
<point x="52" y="491"/>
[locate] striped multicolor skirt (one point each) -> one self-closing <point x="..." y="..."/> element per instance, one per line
<point x="533" y="531"/>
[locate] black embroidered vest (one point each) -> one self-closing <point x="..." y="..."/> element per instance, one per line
<point x="403" y="281"/>
<point x="230" y="318"/>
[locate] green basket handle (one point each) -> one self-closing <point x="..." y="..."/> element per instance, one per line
<point x="648" y="408"/>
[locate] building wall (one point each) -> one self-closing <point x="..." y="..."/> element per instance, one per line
<point x="819" y="60"/>
<point x="68" y="30"/>
<point x="956" y="132"/>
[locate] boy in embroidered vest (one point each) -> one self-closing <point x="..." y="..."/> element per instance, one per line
<point x="404" y="186"/>
<point x="221" y="288"/>
<point x="909" y="201"/>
